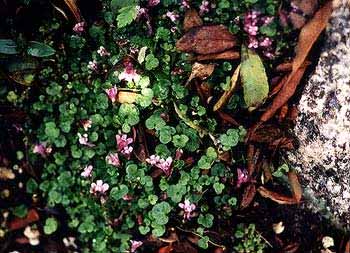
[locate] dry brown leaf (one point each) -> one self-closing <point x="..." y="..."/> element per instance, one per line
<point x="227" y="118"/>
<point x="72" y="5"/>
<point x="295" y="185"/>
<point x="250" y="159"/>
<point x="227" y="55"/>
<point x="284" y="67"/>
<point x="274" y="196"/>
<point x="206" y="40"/>
<point x="228" y="93"/>
<point x="248" y="196"/>
<point x="166" y="249"/>
<point x="347" y="247"/>
<point x="201" y="71"/>
<point x="192" y="20"/>
<point x="279" y="86"/>
<point x="291" y="248"/>
<point x="307" y="38"/>
<point x="306" y="7"/>
<point x="204" y="91"/>
<point x="266" y="134"/>
<point x="283" y="113"/>
<point x="6" y="174"/>
<point x="128" y="97"/>
<point x="18" y="223"/>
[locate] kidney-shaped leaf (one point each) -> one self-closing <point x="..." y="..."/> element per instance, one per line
<point x="39" y="49"/>
<point x="254" y="79"/>
<point x="8" y="46"/>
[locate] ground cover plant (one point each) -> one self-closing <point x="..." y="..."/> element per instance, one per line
<point x="143" y="123"/>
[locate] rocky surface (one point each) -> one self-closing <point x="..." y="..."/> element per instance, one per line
<point x="323" y="125"/>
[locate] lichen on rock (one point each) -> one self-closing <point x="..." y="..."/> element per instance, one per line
<point x="323" y="125"/>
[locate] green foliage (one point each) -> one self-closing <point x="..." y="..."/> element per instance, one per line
<point x="249" y="240"/>
<point x="50" y="226"/>
<point x="126" y="15"/>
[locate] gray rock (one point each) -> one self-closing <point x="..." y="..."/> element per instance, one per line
<point x="323" y="125"/>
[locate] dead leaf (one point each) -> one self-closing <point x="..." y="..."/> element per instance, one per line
<point x="283" y="113"/>
<point x="6" y="174"/>
<point x="284" y="67"/>
<point x="295" y="185"/>
<point x="228" y="93"/>
<point x="72" y="5"/>
<point x="166" y="249"/>
<point x="279" y="86"/>
<point x="291" y="248"/>
<point x="128" y="97"/>
<point x="204" y="91"/>
<point x="22" y="240"/>
<point x="184" y="246"/>
<point x="248" y="196"/>
<point x="228" y="118"/>
<point x="227" y="55"/>
<point x="274" y="196"/>
<point x="17" y="223"/>
<point x="250" y="159"/>
<point x="347" y="247"/>
<point x="201" y="71"/>
<point x="307" y="37"/>
<point x="206" y="40"/>
<point x="192" y="20"/>
<point x="305" y="10"/>
<point x="266" y="134"/>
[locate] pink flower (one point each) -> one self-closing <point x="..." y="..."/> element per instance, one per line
<point x="112" y="93"/>
<point x="153" y="2"/>
<point x="242" y="177"/>
<point x="253" y="42"/>
<point x="99" y="187"/>
<point x="250" y="23"/>
<point x="267" y="20"/>
<point x="113" y="159"/>
<point x="163" y="164"/>
<point x="268" y="54"/>
<point x="127" y="197"/>
<point x="266" y="42"/>
<point x="172" y="15"/>
<point x="86" y="123"/>
<point x="42" y="149"/>
<point x="93" y="65"/>
<point x="129" y="74"/>
<point x="204" y="8"/>
<point x="87" y="171"/>
<point x="185" y="4"/>
<point x="123" y="143"/>
<point x="79" y="27"/>
<point x="84" y="140"/>
<point x="103" y="52"/>
<point x="187" y="208"/>
<point x="135" y="245"/>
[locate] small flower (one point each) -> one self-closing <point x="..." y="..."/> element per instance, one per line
<point x="112" y="93"/>
<point x="267" y="20"/>
<point x="113" y="159"/>
<point x="87" y="171"/>
<point x="266" y="42"/>
<point x="93" y="65"/>
<point x="172" y="15"/>
<point x="129" y="74"/>
<point x="79" y="27"/>
<point x="103" y="52"/>
<point x="86" y="123"/>
<point x="163" y="164"/>
<point x="152" y="3"/>
<point x="242" y="177"/>
<point x="253" y="42"/>
<point x="99" y="187"/>
<point x="42" y="149"/>
<point x="185" y="4"/>
<point x="187" y="208"/>
<point x="127" y="197"/>
<point x="135" y="245"/>
<point x="123" y="143"/>
<point x="204" y="7"/>
<point x="268" y="54"/>
<point x="84" y="140"/>
<point x="33" y="235"/>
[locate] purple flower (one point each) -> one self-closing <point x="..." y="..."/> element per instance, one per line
<point x="266" y="42"/>
<point x="86" y="123"/>
<point x="253" y="42"/>
<point x="204" y="7"/>
<point x="113" y="159"/>
<point x="93" y="65"/>
<point x="42" y="149"/>
<point x="112" y="93"/>
<point x="187" y="208"/>
<point x="250" y="23"/>
<point x="185" y="4"/>
<point x="129" y="74"/>
<point x="135" y="245"/>
<point x="152" y="3"/>
<point x="103" y="52"/>
<point x="123" y="143"/>
<point x="79" y="27"/>
<point x="172" y="15"/>
<point x="268" y="54"/>
<point x="84" y="140"/>
<point x="99" y="187"/>
<point x="163" y="164"/>
<point x="242" y="177"/>
<point x="87" y="171"/>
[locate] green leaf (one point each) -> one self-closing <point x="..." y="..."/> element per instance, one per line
<point x="269" y="30"/>
<point x="31" y="186"/>
<point x="51" y="131"/>
<point x="119" y="192"/>
<point x="20" y="211"/>
<point x="116" y="4"/>
<point x="8" y="46"/>
<point x="39" y="49"/>
<point x="254" y="79"/>
<point x="126" y="15"/>
<point x="206" y="220"/>
<point x="203" y="242"/>
<point x="219" y="187"/>
<point x="151" y="62"/>
<point x="180" y="141"/>
<point x="50" y="226"/>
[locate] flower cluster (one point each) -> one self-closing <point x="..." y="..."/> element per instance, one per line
<point x="172" y="16"/>
<point x="129" y="73"/>
<point x="187" y="208"/>
<point x="161" y="163"/>
<point x="84" y="140"/>
<point x="123" y="144"/>
<point x="42" y="150"/>
<point x="112" y="93"/>
<point x="99" y="187"/>
<point x="79" y="27"/>
<point x="252" y="21"/>
<point x="135" y="245"/>
<point x="242" y="177"/>
<point x="113" y="159"/>
<point x="204" y="7"/>
<point x="87" y="171"/>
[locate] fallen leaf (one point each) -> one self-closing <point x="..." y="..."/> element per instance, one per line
<point x="279" y="86"/>
<point x="166" y="249"/>
<point x="128" y="97"/>
<point x="251" y="162"/>
<point x="347" y="247"/>
<point x="295" y="185"/>
<point x="22" y="240"/>
<point x="284" y="67"/>
<point x="204" y="91"/>
<point x="253" y="78"/>
<point x="201" y="71"/>
<point x="228" y="93"/>
<point x="248" y="196"/>
<point x="192" y="20"/>
<point x="274" y="196"/>
<point x="227" y="118"/>
<point x="307" y="37"/>
<point x="305" y="10"/>
<point x="227" y="55"/>
<point x="206" y="40"/>
<point x="283" y="113"/>
<point x="72" y="5"/>
<point x="291" y="248"/>
<point x="6" y="174"/>
<point x="17" y="223"/>
<point x="184" y="246"/>
<point x="266" y="134"/>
